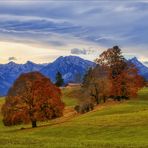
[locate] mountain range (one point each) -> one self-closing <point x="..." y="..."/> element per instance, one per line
<point x="142" y="69"/>
<point x="72" y="68"/>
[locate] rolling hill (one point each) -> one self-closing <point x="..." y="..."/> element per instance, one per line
<point x="110" y="125"/>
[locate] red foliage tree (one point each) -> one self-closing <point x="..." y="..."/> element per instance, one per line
<point x="124" y="78"/>
<point x="127" y="84"/>
<point x="32" y="98"/>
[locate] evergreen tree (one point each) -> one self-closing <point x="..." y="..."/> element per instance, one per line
<point x="59" y="79"/>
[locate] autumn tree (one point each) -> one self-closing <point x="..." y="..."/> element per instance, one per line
<point x="32" y="98"/>
<point x="128" y="82"/>
<point x="59" y="79"/>
<point x="112" y="77"/>
<point x="96" y="84"/>
<point x="123" y="76"/>
<point x="113" y="60"/>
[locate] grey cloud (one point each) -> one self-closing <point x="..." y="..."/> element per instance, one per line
<point x="62" y="23"/>
<point x="78" y="51"/>
<point x="12" y="59"/>
<point x="146" y="62"/>
<point x="88" y="51"/>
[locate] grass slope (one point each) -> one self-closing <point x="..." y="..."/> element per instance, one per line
<point x="109" y="126"/>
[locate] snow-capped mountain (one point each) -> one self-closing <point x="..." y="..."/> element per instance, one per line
<point x="4" y="85"/>
<point x="143" y="70"/>
<point x="72" y="68"/>
<point x="9" y="72"/>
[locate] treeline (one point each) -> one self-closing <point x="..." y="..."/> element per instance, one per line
<point x="113" y="78"/>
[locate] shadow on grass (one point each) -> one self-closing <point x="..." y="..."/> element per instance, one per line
<point x="58" y="122"/>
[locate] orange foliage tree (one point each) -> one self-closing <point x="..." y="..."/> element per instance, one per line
<point x="32" y="98"/>
<point x="124" y="78"/>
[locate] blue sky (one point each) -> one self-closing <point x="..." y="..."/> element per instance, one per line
<point x="43" y="30"/>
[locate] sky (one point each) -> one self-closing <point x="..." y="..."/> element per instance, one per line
<point x="41" y="31"/>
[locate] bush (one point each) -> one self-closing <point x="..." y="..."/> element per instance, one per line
<point x="83" y="108"/>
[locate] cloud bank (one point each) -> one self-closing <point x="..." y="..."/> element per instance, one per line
<point x="65" y="25"/>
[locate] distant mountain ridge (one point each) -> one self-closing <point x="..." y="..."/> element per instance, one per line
<point x="10" y="71"/>
<point x="72" y="69"/>
<point x="143" y="70"/>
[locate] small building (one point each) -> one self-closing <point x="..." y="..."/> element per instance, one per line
<point x="73" y="84"/>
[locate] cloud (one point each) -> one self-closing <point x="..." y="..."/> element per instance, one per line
<point x="66" y="25"/>
<point x="97" y="22"/>
<point x="146" y="63"/>
<point x="125" y="9"/>
<point x="12" y="59"/>
<point x="78" y="51"/>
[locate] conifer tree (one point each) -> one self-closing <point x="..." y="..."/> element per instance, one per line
<point x="59" y="79"/>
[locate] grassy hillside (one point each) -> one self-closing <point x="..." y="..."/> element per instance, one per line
<point x="108" y="126"/>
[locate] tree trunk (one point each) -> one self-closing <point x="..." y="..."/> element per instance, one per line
<point x="104" y="99"/>
<point x="97" y="100"/>
<point x="34" y="124"/>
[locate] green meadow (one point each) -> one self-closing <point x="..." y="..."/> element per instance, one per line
<point x="110" y="125"/>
